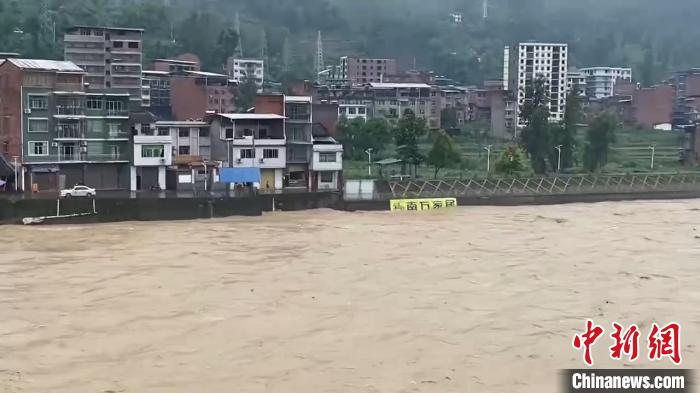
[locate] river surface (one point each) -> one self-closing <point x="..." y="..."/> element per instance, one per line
<point x="478" y="299"/>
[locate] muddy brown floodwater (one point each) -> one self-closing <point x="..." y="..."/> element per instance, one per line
<point x="480" y="299"/>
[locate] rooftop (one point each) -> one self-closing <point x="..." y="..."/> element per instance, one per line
<point x="303" y="99"/>
<point x="251" y="116"/>
<point x="152" y="72"/>
<point x="400" y="85"/>
<point x="175" y="61"/>
<point x="209" y="74"/>
<point x="137" y="30"/>
<point x="46" y="65"/>
<point x="187" y="123"/>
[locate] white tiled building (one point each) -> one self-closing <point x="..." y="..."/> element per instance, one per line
<point x="600" y="81"/>
<point x="531" y="60"/>
<point x="241" y="69"/>
<point x="578" y="80"/>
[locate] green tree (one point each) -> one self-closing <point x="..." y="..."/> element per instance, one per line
<point x="406" y="134"/>
<point x="536" y="137"/>
<point x="358" y="136"/>
<point x="448" y="118"/>
<point x="443" y="154"/>
<point x="510" y="162"/>
<point x="564" y="133"/>
<point x="225" y="45"/>
<point x="601" y="133"/>
<point x="247" y="94"/>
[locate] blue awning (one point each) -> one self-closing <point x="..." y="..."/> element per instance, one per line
<point x="239" y="175"/>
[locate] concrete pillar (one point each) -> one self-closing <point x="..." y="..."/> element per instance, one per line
<point x="161" y="177"/>
<point x="132" y="178"/>
<point x="279" y="175"/>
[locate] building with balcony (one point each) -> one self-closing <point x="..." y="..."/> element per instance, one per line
<point x="111" y="57"/>
<point x="353" y="111"/>
<point x="152" y="154"/>
<point x="533" y="60"/>
<point x="576" y="80"/>
<point x="155" y="92"/>
<point x="326" y="164"/>
<point x="359" y="70"/>
<point x="61" y="134"/>
<point x="251" y="140"/>
<point x="391" y="100"/>
<point x="241" y="70"/>
<point x="600" y="81"/>
<point x="175" y="66"/>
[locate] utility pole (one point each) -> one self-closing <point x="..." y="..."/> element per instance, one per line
<point x="319" y="56"/>
<point x="488" y="158"/>
<point x="369" y="166"/>
<point x="238" y="52"/>
<point x="14" y="159"/>
<point x="558" y="158"/>
<point x="653" y="151"/>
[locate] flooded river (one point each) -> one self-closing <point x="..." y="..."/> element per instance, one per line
<point x="480" y="299"/>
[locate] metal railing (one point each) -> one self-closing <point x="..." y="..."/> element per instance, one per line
<point x="545" y="185"/>
<point x="70" y="110"/>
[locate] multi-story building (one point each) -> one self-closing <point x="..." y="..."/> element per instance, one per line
<point x="686" y="102"/>
<point x="576" y="80"/>
<point x="391" y="100"/>
<point x="532" y="60"/>
<point x="152" y="153"/>
<point x="353" y="111"/>
<point x="155" y="89"/>
<point x="241" y="70"/>
<point x="251" y="140"/>
<point x="600" y="81"/>
<point x="363" y="70"/>
<point x="111" y="57"/>
<point x="61" y="134"/>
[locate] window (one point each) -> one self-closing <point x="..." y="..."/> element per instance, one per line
<point x="38" y="102"/>
<point x="38" y="125"/>
<point x="38" y="148"/>
<point x="114" y="150"/>
<point x="115" y="129"/>
<point x="95" y="126"/>
<point x="183" y="150"/>
<point x="326" y="177"/>
<point x="113" y="106"/>
<point x="153" y="151"/>
<point x="118" y="44"/>
<point x="247" y="153"/>
<point x="184" y="132"/>
<point x="94" y="103"/>
<point x="133" y="45"/>
<point x="327" y="157"/>
<point x="227" y="133"/>
<point x="163" y="131"/>
<point x="352" y="111"/>
<point x="270" y="153"/>
<point x="204" y="133"/>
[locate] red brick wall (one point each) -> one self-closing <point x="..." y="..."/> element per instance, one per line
<point x="654" y="105"/>
<point x="188" y="100"/>
<point x="327" y="115"/>
<point x="270" y="104"/>
<point x="10" y="110"/>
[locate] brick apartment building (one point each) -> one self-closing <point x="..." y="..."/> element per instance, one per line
<point x="62" y="134"/>
<point x="358" y="70"/>
<point x="111" y="57"/>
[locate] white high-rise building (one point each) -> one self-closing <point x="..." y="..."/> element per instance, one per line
<point x="576" y="80"/>
<point x="532" y="60"/>
<point x="600" y="81"/>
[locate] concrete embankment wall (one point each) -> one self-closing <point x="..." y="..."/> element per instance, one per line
<point x="153" y="209"/>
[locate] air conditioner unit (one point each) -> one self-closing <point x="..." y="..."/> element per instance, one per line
<point x="54" y="144"/>
<point x="238" y="160"/>
<point x="261" y="160"/>
<point x="83" y="149"/>
<point x="83" y="143"/>
<point x="28" y="110"/>
<point x="162" y="161"/>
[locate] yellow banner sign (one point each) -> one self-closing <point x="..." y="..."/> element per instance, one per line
<point x="422" y="204"/>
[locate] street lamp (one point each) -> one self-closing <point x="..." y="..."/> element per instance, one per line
<point x="488" y="158"/>
<point x="653" y="151"/>
<point x="558" y="158"/>
<point x="369" y="158"/>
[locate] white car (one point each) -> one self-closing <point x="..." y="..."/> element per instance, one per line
<point x="78" y="191"/>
